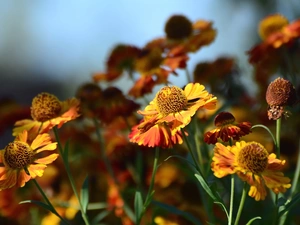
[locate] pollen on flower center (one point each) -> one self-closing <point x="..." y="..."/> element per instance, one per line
<point x="253" y="157"/>
<point x="17" y="155"/>
<point x="170" y="100"/>
<point x="45" y="107"/>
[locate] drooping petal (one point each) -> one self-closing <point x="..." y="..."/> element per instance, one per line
<point x="10" y="179"/>
<point x="47" y="160"/>
<point x="36" y="170"/>
<point x="22" y="178"/>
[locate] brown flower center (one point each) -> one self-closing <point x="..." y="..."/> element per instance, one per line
<point x="170" y="100"/>
<point x="253" y="157"/>
<point x="45" y="107"/>
<point x="178" y="27"/>
<point x="224" y="118"/>
<point x="18" y="155"/>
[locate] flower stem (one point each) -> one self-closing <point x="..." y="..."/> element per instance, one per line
<point x="53" y="210"/>
<point x="187" y="75"/>
<point x="241" y="206"/>
<point x="278" y="127"/>
<point x="71" y="179"/>
<point x="150" y="190"/>
<point x="191" y="152"/>
<point x="102" y="150"/>
<point x="231" y="200"/>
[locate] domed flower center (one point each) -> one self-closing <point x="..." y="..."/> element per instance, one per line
<point x="45" y="107"/>
<point x="170" y="100"/>
<point x="224" y="118"/>
<point x="18" y="155"/>
<point x="253" y="157"/>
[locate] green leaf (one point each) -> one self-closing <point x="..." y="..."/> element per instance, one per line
<point x="138" y="205"/>
<point x="176" y="211"/>
<point x="149" y="199"/>
<point x="84" y="194"/>
<point x="255" y="218"/>
<point x="216" y="198"/>
<point x="100" y="216"/>
<point x="290" y="204"/>
<point x="41" y="204"/>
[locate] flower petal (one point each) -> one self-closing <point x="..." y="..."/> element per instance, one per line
<point x="10" y="179"/>
<point x="47" y="160"/>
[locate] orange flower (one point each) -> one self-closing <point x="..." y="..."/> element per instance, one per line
<point x="227" y="129"/>
<point x="21" y="160"/>
<point x="47" y="112"/>
<point x="253" y="164"/>
<point x="278" y="49"/>
<point x="171" y="110"/>
<point x="121" y="58"/>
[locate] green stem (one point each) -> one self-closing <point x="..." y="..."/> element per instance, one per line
<point x="278" y="128"/>
<point x="231" y="200"/>
<point x="200" y="157"/>
<point x="47" y="200"/>
<point x="267" y="129"/>
<point x="191" y="152"/>
<point x="150" y="190"/>
<point x="241" y="206"/>
<point x="71" y="179"/>
<point x="103" y="154"/>
<point x="294" y="186"/>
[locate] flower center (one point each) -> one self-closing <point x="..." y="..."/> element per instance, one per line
<point x="45" y="107"/>
<point x="17" y="155"/>
<point x="253" y="157"/>
<point x="224" y="118"/>
<point x="170" y="100"/>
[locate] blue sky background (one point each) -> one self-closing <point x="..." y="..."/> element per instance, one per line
<point x="64" y="42"/>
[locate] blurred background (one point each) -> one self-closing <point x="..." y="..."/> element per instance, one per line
<point x="55" y="46"/>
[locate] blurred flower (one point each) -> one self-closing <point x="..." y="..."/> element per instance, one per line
<point x="47" y="111"/>
<point x="280" y="93"/>
<point x="22" y="161"/>
<point x="90" y="96"/>
<point x="178" y="27"/>
<point x="171" y="110"/>
<point x="253" y="164"/>
<point x="10" y="112"/>
<point x="227" y="129"/>
<point x="279" y="49"/>
<point x="121" y="59"/>
<point x="162" y="221"/>
<point x="115" y="104"/>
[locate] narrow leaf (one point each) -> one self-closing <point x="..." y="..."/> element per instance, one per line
<point x="100" y="217"/>
<point x="138" y="205"/>
<point x="290" y="204"/>
<point x="84" y="194"/>
<point x="41" y="204"/>
<point x="255" y="218"/>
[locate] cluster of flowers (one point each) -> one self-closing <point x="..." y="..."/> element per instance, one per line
<point x="178" y="119"/>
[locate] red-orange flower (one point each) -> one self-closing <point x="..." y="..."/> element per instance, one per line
<point x="47" y="112"/>
<point x="278" y="48"/>
<point x="120" y="59"/>
<point x="22" y="160"/>
<point x="171" y="110"/>
<point x="253" y="164"/>
<point x="227" y="129"/>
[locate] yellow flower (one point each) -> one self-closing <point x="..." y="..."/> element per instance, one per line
<point x="171" y="110"/>
<point x="271" y="24"/>
<point x="21" y="160"/>
<point x="47" y="111"/>
<point x="253" y="164"/>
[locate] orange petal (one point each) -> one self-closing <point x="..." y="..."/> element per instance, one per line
<point x="47" y="160"/>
